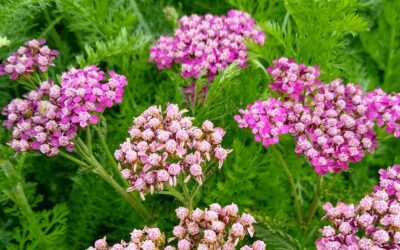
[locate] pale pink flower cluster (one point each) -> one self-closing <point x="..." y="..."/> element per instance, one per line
<point x="385" y="109"/>
<point x="85" y="95"/>
<point x="333" y="123"/>
<point x="373" y="224"/>
<point x="36" y="122"/>
<point x="266" y="119"/>
<point x="214" y="228"/>
<point x="49" y="117"/>
<point x="27" y="59"/>
<point x="164" y="146"/>
<point x="146" y="239"/>
<point x="207" y="44"/>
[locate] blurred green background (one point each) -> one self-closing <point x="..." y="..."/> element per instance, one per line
<point x="358" y="41"/>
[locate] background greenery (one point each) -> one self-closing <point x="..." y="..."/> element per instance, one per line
<point x="355" y="40"/>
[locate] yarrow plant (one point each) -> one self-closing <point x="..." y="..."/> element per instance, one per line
<point x="214" y="228"/>
<point x="50" y="116"/>
<point x="27" y="60"/>
<point x="333" y="123"/>
<point x="207" y="44"/>
<point x="372" y="224"/>
<point x="165" y="148"/>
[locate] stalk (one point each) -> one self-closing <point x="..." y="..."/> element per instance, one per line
<point x="291" y="181"/>
<point x="316" y="200"/>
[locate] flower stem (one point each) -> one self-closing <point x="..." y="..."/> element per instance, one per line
<point x="291" y="181"/>
<point x="99" y="170"/>
<point x="89" y="140"/>
<point x="107" y="150"/>
<point x="316" y="200"/>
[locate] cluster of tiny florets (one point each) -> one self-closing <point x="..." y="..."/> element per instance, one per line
<point x="333" y="123"/>
<point x="36" y="122"/>
<point x="48" y="117"/>
<point x="165" y="145"/>
<point x="146" y="239"/>
<point x="266" y="119"/>
<point x="292" y="79"/>
<point x="84" y="94"/>
<point x="28" y="59"/>
<point x="207" y="44"/>
<point x="214" y="228"/>
<point x="385" y="109"/>
<point x="373" y="224"/>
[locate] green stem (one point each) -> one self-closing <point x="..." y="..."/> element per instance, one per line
<point x="133" y="200"/>
<point x="172" y="191"/>
<point x="291" y="181"/>
<point x="107" y="150"/>
<point x="316" y="200"/>
<point x="89" y="140"/>
<point x="332" y="182"/>
<point x="98" y="169"/>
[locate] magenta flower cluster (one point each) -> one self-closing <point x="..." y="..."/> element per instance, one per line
<point x="333" y="124"/>
<point x="36" y="122"/>
<point x="49" y="117"/>
<point x="214" y="228"/>
<point x="146" y="239"/>
<point x="84" y="94"/>
<point x="164" y="146"/>
<point x="27" y="59"/>
<point x="385" y="109"/>
<point x="207" y="44"/>
<point x="373" y="224"/>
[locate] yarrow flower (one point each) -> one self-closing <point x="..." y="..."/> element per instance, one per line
<point x="146" y="239"/>
<point x="49" y="117"/>
<point x="28" y="59"/>
<point x="165" y="145"/>
<point x="85" y="95"/>
<point x="385" y="109"/>
<point x="373" y="224"/>
<point x="214" y="228"/>
<point x="36" y="122"/>
<point x="207" y="44"/>
<point x="333" y="124"/>
<point x="267" y="120"/>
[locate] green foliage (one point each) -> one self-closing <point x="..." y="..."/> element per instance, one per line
<point x="355" y="40"/>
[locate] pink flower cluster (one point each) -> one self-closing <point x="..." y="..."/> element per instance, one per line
<point x="333" y="124"/>
<point x="266" y="119"/>
<point x="27" y="59"/>
<point x="214" y="228"/>
<point x="36" y="122"/>
<point x="48" y="117"/>
<point x="385" y="109"/>
<point x="373" y="224"/>
<point x="207" y="44"/>
<point x="292" y="79"/>
<point x="146" y="239"/>
<point x="164" y="146"/>
<point x="84" y="95"/>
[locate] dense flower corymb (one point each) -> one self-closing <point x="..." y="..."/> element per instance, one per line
<point x="85" y="95"/>
<point x="27" y="59"/>
<point x="214" y="228"/>
<point x="165" y="145"/>
<point x="36" y="122"/>
<point x="332" y="123"/>
<point x="48" y="117"/>
<point x="207" y="44"/>
<point x="373" y="224"/>
<point x="146" y="239"/>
